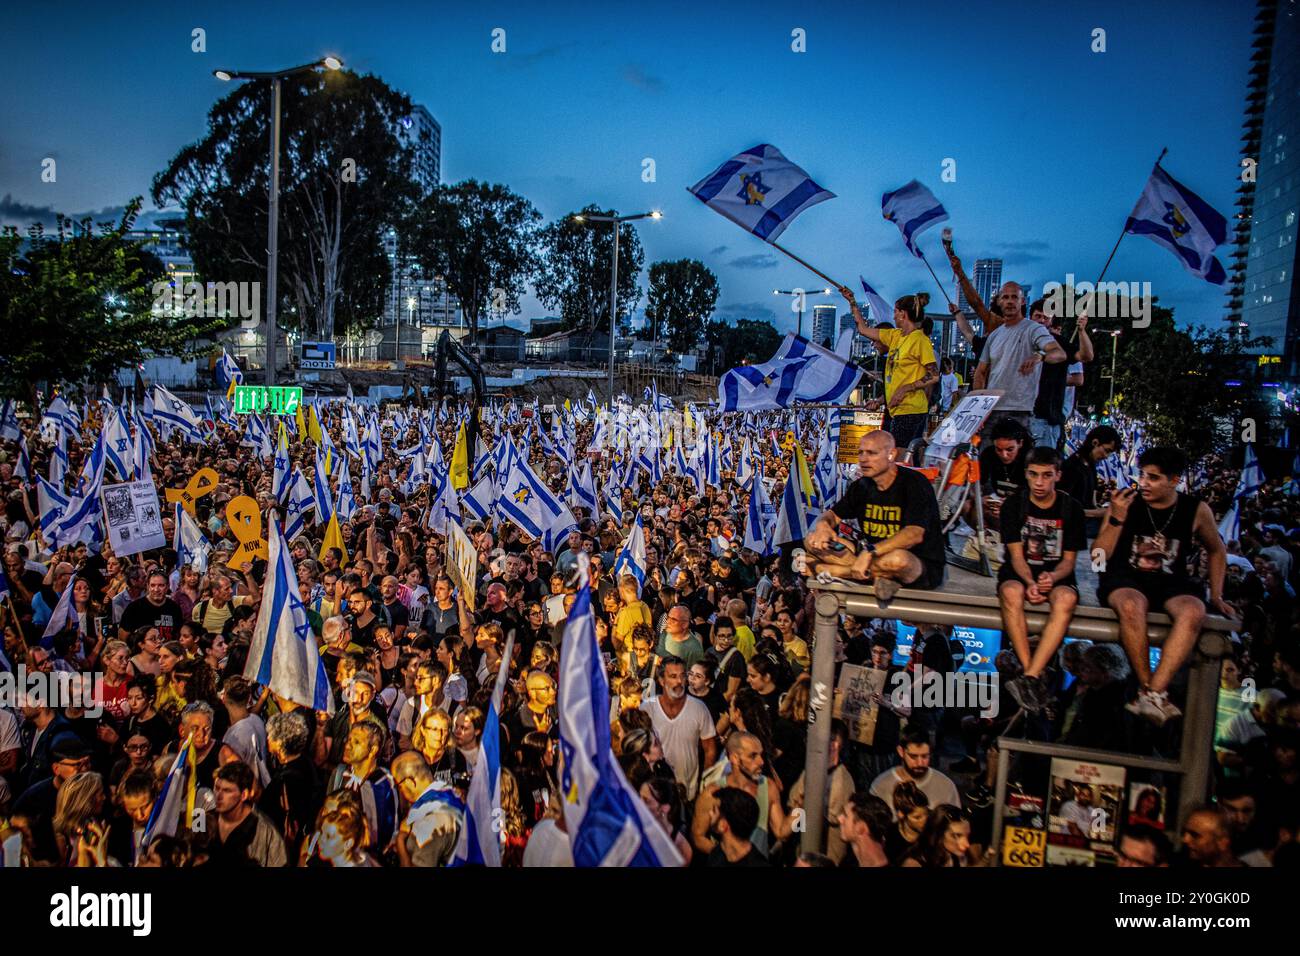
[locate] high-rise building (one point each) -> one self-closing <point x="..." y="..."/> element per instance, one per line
<point x="987" y="280"/>
<point x="1264" y="292"/>
<point x="421" y="131"/>
<point x="823" y="325"/>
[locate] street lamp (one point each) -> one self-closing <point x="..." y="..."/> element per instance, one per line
<point x="1114" y="341"/>
<point x="800" y="295"/>
<point x="613" y="284"/>
<point x="273" y="225"/>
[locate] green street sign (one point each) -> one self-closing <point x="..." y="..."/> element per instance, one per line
<point x="276" y="400"/>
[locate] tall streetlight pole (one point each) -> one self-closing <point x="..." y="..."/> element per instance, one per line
<point x="273" y="224"/>
<point x="1114" y="353"/>
<point x="613" y="286"/>
<point x="800" y="295"/>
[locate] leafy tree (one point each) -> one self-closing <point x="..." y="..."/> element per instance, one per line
<point x="77" y="305"/>
<point x="575" y="270"/>
<point x="683" y="293"/>
<point x="746" y="341"/>
<point x="481" y="237"/>
<point x="344" y="179"/>
<point x="1170" y="378"/>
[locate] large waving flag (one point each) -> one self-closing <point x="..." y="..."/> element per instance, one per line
<point x="9" y="430"/>
<point x="582" y="487"/>
<point x="756" y="537"/>
<point x="118" y="445"/>
<point x="524" y="499"/>
<point x="760" y="190"/>
<point x="880" y="310"/>
<point x="191" y="547"/>
<point x="174" y="413"/>
<point x="228" y="372"/>
<point x="301" y="501"/>
<point x="753" y="388"/>
<point x="321" y="488"/>
<point x="1171" y="215"/>
<point x="65" y="613"/>
<point x="178" y="791"/>
<point x="81" y="515"/>
<point x="280" y="485"/>
<point x="481" y="837"/>
<point x="347" y="505"/>
<point x="480" y="500"/>
<point x="1252" y="476"/>
<point x="608" y="823"/>
<point x="283" y="655"/>
<point x="631" y="560"/>
<point x="792" y="516"/>
<point x="913" y="209"/>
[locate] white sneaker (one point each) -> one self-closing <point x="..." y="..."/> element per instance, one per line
<point x="1154" y="707"/>
<point x="799" y="561"/>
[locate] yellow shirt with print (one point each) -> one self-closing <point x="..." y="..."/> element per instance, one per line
<point x="908" y="356"/>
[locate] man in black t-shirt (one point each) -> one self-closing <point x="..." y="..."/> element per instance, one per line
<point x="1043" y="533"/>
<point x="153" y="609"/>
<point x="899" y="518"/>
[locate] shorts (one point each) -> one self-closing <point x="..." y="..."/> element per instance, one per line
<point x="1008" y="573"/>
<point x="929" y="579"/>
<point x="1157" y="588"/>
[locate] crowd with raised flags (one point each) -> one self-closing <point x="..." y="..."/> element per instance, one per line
<point x="579" y="636"/>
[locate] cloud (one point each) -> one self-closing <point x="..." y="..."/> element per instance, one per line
<point x="16" y="213"/>
<point x="747" y="310"/>
<point x="636" y="75"/>
<point x="1022" y="252"/>
<point x="759" y="260"/>
<point x="717" y="250"/>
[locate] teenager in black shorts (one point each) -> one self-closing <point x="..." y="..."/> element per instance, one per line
<point x="1043" y="531"/>
<point x="900" y="539"/>
<point x="1147" y="539"/>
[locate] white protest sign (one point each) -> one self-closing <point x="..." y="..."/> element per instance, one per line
<point x="133" y="517"/>
<point x="462" y="563"/>
<point x="963" y="421"/>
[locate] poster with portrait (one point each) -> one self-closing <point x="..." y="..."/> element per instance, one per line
<point x="1147" y="805"/>
<point x="133" y="517"/>
<point x="855" y="700"/>
<point x="1085" y="801"/>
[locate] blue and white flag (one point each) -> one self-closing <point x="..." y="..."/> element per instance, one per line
<point x="280" y="484"/>
<point x="631" y="560"/>
<point x="80" y="518"/>
<point x="752" y="388"/>
<point x="23" y="466"/>
<point x="480" y="498"/>
<point x="9" y="430"/>
<point x="482" y="835"/>
<point x="52" y="504"/>
<point x="523" y="498"/>
<point x="613" y="500"/>
<point x="60" y="413"/>
<point x="1252" y="476"/>
<point x="607" y="821"/>
<point x="913" y="209"/>
<point x="760" y="190"/>
<point x="283" y="655"/>
<point x="174" y="413"/>
<point x="301" y="501"/>
<point x="826" y="379"/>
<point x="177" y="788"/>
<point x="756" y="537"/>
<point x="191" y="547"/>
<point x="228" y="371"/>
<point x="347" y="505"/>
<point x="321" y="489"/>
<point x="878" y="309"/>
<point x="445" y="504"/>
<point x="64" y="615"/>
<point x="792" y="515"/>
<point x="1171" y="215"/>
<point x="1230" y="524"/>
<point x="582" y="487"/>
<point x="118" y="445"/>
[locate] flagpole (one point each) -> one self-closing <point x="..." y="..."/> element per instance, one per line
<point x="801" y="262"/>
<point x="936" y="278"/>
<point x="1114" y="249"/>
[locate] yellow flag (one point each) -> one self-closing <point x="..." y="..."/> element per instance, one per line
<point x="805" y="479"/>
<point x="313" y="426"/>
<point x="284" y="436"/>
<point x="460" y="461"/>
<point x="328" y="456"/>
<point x="333" y="539"/>
<point x="302" y="425"/>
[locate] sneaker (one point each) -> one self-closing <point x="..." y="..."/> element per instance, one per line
<point x="1154" y="707"/>
<point x="1021" y="690"/>
<point x="885" y="589"/>
<point x="799" y="561"/>
<point x="979" y="796"/>
<point x="966" y="764"/>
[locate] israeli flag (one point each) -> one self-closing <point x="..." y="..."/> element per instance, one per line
<point x="524" y="499"/>
<point x="347" y="505"/>
<point x="792" y="516"/>
<point x="58" y="457"/>
<point x="760" y="190"/>
<point x="827" y="378"/>
<point x="613" y="500"/>
<point x="480" y="499"/>
<point x="745" y="468"/>
<point x="324" y="503"/>
<point x="878" y="310"/>
<point x="118" y="445"/>
<point x="142" y="447"/>
<point x="228" y="371"/>
<point x="608" y="822"/>
<point x="1171" y="215"/>
<point x="1252" y="476"/>
<point x="9" y="429"/>
<point x="756" y="536"/>
<point x="60" y="413"/>
<point x="64" y="615"/>
<point x="23" y="466"/>
<point x="913" y="209"/>
<point x="445" y="506"/>
<point x="280" y="482"/>
<point x="631" y="560"/>
<point x="1230" y="525"/>
<point x="582" y="487"/>
<point x="283" y="655"/>
<point x="52" y="503"/>
<point x="177" y="788"/>
<point x="191" y="547"/>
<point x="301" y="501"/>
<point x="481" y="836"/>
<point x="752" y="388"/>
<point x="81" y="515"/>
<point x="172" y="412"/>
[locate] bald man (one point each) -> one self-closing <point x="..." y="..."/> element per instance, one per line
<point x="897" y="539"/>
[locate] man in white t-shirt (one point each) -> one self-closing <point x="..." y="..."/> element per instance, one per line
<point x="914" y="750"/>
<point x="683" y="724"/>
<point x="1012" y="360"/>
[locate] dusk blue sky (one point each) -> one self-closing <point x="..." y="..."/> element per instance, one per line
<point x="1052" y="141"/>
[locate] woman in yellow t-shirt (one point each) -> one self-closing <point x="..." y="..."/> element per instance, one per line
<point x="910" y="365"/>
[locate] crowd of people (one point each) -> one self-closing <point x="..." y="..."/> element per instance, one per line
<point x="707" y="657"/>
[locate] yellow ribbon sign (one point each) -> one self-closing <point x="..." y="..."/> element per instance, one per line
<point x="203" y="483"/>
<point x="245" y="522"/>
